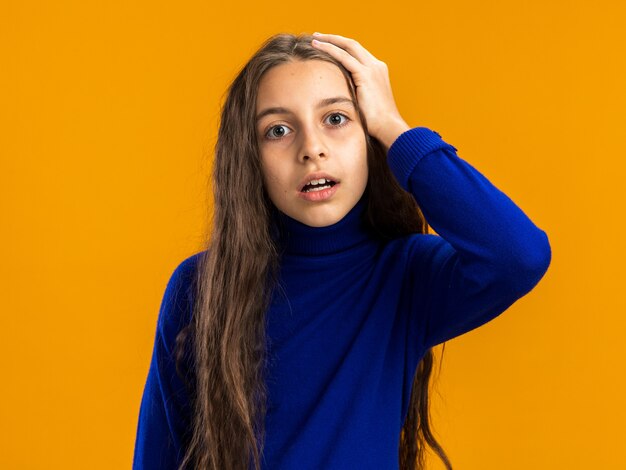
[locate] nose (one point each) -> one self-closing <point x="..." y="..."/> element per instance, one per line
<point x="313" y="145"/>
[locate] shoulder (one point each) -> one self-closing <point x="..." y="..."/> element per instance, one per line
<point x="422" y="253"/>
<point x="177" y="303"/>
<point x="419" y="245"/>
<point x="186" y="269"/>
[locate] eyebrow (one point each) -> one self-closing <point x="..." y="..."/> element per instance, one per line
<point x="321" y="104"/>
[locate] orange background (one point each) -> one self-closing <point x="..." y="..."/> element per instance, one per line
<point x="108" y="117"/>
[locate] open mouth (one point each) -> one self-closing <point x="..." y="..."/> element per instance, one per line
<point x="309" y="187"/>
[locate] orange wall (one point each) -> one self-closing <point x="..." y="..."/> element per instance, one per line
<point x="108" y="118"/>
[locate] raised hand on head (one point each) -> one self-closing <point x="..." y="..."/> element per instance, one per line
<point x="373" y="87"/>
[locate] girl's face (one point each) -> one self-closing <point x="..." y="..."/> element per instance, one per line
<point x="307" y="124"/>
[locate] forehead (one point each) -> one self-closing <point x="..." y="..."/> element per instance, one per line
<point x="300" y="82"/>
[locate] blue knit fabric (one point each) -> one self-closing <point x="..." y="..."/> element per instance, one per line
<point x="355" y="315"/>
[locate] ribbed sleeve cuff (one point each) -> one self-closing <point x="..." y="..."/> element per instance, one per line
<point x="409" y="148"/>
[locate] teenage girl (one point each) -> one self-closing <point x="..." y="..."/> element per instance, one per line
<point x="301" y="337"/>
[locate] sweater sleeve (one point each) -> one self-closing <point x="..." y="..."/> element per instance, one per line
<point x="487" y="253"/>
<point x="164" y="412"/>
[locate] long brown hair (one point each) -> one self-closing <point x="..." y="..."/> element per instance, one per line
<point x="237" y="274"/>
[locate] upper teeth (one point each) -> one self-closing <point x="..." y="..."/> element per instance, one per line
<point x="319" y="181"/>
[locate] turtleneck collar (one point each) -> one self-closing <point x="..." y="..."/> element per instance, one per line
<point x="297" y="238"/>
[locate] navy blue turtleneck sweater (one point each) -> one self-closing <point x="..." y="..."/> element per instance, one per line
<point x="355" y="316"/>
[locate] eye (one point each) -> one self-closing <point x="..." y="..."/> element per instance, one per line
<point x="271" y="132"/>
<point x="340" y="124"/>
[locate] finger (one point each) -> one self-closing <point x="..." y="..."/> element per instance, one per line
<point x="348" y="61"/>
<point x="351" y="45"/>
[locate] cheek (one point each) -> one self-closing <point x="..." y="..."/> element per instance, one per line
<point x="267" y="166"/>
<point x="359" y="150"/>
<point x="364" y="175"/>
<point x="269" y="174"/>
<point x="267" y="178"/>
<point x="273" y="179"/>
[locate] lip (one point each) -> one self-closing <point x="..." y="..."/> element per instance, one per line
<point x="316" y="196"/>
<point x="315" y="176"/>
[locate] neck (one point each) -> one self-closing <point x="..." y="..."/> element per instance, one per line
<point x="297" y="238"/>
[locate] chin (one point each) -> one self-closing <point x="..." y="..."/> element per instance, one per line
<point x="318" y="224"/>
<point x="323" y="220"/>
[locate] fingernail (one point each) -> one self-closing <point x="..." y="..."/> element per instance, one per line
<point x="316" y="34"/>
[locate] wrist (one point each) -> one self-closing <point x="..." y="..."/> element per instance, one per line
<point x="392" y="131"/>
